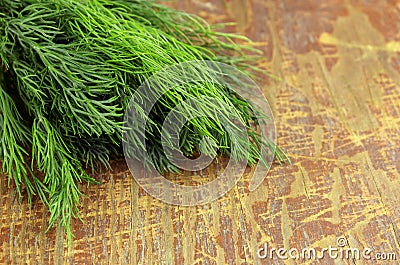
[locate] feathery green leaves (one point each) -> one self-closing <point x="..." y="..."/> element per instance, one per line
<point x="69" y="69"/>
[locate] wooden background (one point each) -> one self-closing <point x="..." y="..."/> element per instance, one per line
<point x="337" y="114"/>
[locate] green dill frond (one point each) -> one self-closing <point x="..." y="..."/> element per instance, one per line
<point x="68" y="71"/>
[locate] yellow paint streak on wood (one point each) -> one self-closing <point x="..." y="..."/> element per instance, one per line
<point x="286" y="229"/>
<point x="335" y="195"/>
<point x="317" y="136"/>
<point x="329" y="39"/>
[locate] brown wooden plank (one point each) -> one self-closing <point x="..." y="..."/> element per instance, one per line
<point x="337" y="111"/>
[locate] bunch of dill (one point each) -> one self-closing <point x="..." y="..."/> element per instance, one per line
<point x="68" y="70"/>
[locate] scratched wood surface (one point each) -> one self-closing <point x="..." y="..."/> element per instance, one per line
<point x="337" y="111"/>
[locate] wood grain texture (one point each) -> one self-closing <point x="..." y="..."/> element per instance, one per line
<point x="337" y="111"/>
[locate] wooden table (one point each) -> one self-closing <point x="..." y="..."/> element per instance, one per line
<point x="337" y="110"/>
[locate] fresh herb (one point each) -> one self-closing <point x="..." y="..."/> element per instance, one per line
<point x="68" y="70"/>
